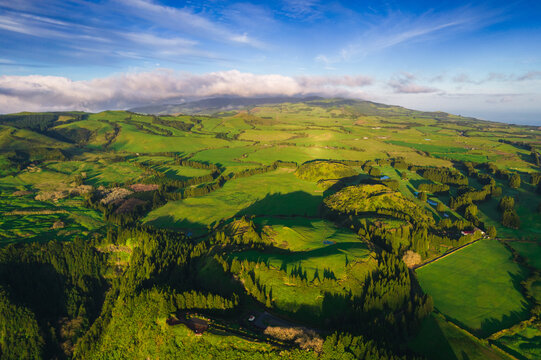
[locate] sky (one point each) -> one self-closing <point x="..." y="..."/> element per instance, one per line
<point x="477" y="58"/>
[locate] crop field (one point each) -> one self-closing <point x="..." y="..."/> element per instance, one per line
<point x="276" y="193"/>
<point x="477" y="287"/>
<point x="37" y="178"/>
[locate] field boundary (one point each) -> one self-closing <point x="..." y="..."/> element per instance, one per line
<point x="445" y="255"/>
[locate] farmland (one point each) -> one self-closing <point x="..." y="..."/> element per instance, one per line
<point x="487" y="298"/>
<point x="400" y="228"/>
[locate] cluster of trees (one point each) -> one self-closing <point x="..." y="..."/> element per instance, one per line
<point x="74" y="135"/>
<point x="227" y="136"/>
<point x="161" y="178"/>
<point x="175" y="124"/>
<point x="535" y="178"/>
<point x="536" y="158"/>
<point x="196" y="164"/>
<point x="148" y="128"/>
<point x="443" y="175"/>
<point x="510" y="217"/>
<point x="39" y="122"/>
<point x="197" y="300"/>
<point x="519" y="144"/>
<point x="388" y="308"/>
<point x="468" y="195"/>
<point x="514" y="181"/>
<point x="433" y="188"/>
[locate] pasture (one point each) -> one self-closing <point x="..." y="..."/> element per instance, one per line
<point x="303" y="234"/>
<point x="131" y="140"/>
<point x="477" y="287"/>
<point x="320" y="250"/>
<point x="530" y="251"/>
<point x="278" y="192"/>
<point x="524" y="344"/>
<point x="299" y="154"/>
<point x="24" y="219"/>
<point x="439" y="339"/>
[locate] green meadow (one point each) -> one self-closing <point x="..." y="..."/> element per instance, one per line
<point x="276" y="193"/>
<point x="477" y="287"/>
<point x="439" y="339"/>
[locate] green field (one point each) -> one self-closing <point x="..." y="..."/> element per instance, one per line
<point x="315" y="246"/>
<point x="330" y="240"/>
<point x="439" y="339"/>
<point x="530" y="251"/>
<point x="303" y="234"/>
<point x="276" y="193"/>
<point x="525" y="344"/>
<point x="477" y="287"/>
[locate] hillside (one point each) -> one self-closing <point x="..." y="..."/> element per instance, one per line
<point x="304" y="228"/>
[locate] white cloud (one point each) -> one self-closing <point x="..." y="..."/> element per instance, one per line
<point x="405" y="84"/>
<point x="185" y="20"/>
<point x="393" y="28"/>
<point x="40" y="93"/>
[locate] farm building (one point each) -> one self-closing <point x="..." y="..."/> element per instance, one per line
<point x="198" y="326"/>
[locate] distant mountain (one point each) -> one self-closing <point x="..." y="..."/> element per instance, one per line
<point x="212" y="105"/>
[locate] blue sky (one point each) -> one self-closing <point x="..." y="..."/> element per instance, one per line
<point x="474" y="58"/>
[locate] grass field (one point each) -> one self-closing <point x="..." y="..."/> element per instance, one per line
<point x="24" y="219"/>
<point x="530" y="251"/>
<point x="298" y="154"/>
<point x="276" y="193"/>
<point x="303" y="234"/>
<point x="231" y="157"/>
<point x="315" y="246"/>
<point x="101" y="172"/>
<point x="477" y="287"/>
<point x="131" y="140"/>
<point x="525" y="344"/>
<point x="441" y="340"/>
<point x="527" y="202"/>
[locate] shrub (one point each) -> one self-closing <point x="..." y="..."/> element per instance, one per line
<point x="514" y="181"/>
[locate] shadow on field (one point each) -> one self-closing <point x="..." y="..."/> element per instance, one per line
<point x="297" y="203"/>
<point x="170" y="173"/>
<point x="432" y="342"/>
<point x="418" y="182"/>
<point x="492" y="325"/>
<point x="188" y="227"/>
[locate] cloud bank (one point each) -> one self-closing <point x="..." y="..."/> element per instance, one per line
<point x="53" y="93"/>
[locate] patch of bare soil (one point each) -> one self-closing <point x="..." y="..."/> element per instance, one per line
<point x="411" y="258"/>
